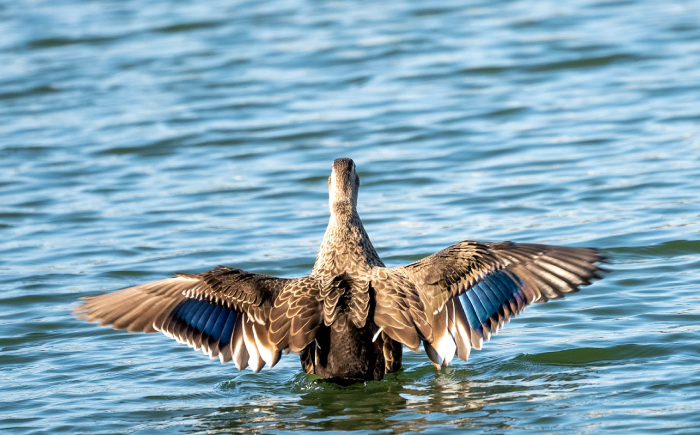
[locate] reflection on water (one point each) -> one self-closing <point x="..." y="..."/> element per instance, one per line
<point x="402" y="402"/>
<point x="407" y="401"/>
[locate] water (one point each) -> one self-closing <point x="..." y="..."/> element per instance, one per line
<point x="138" y="139"/>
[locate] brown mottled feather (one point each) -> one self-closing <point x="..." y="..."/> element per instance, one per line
<point x="351" y="316"/>
<point x="547" y="272"/>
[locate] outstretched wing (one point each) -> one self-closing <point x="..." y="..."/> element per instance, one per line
<point x="470" y="289"/>
<point x="224" y="312"/>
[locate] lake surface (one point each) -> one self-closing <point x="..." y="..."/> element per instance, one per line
<point x="139" y="139"/>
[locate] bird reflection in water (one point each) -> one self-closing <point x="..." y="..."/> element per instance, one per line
<point x="405" y="401"/>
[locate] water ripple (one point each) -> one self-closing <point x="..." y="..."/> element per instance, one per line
<point x="140" y="139"/>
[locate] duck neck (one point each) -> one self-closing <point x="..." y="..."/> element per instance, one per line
<point x="343" y="213"/>
<point x="346" y="247"/>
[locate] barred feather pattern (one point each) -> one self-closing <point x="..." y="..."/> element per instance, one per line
<point x="399" y="308"/>
<point x="297" y="314"/>
<point x="343" y="294"/>
<point x="474" y="288"/>
<point x="208" y="312"/>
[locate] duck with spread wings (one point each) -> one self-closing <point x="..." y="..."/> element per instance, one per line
<point x="350" y="318"/>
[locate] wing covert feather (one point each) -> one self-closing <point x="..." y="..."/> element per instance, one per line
<point x="469" y="290"/>
<point x="224" y="312"/>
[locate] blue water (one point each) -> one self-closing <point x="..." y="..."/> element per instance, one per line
<point x="139" y="139"/>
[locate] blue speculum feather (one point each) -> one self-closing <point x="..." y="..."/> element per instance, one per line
<point x="212" y="318"/>
<point x="189" y="310"/>
<point x="502" y="292"/>
<point x="488" y="296"/>
<point x="219" y="324"/>
<point x="201" y="308"/>
<point x="499" y="304"/>
<point x="215" y="320"/>
<point x="488" y="306"/>
<point x="472" y="317"/>
<point x="225" y="336"/>
<point x="493" y="302"/>
<point x="204" y="317"/>
<point x="180" y="309"/>
<point x="478" y="307"/>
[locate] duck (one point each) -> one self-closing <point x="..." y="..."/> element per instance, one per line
<point x="351" y="317"/>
